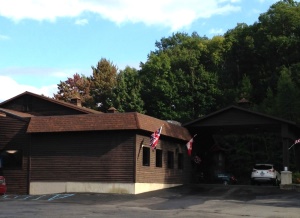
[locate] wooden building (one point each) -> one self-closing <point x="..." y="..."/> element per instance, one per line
<point x="49" y="146"/>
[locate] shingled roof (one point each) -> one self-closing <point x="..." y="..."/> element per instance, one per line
<point x="15" y="113"/>
<point x="106" y="121"/>
<point x="58" y="102"/>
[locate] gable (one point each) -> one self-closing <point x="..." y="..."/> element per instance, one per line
<point x="39" y="105"/>
<point x="239" y="120"/>
<point x="235" y="117"/>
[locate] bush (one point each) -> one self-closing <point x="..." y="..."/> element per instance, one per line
<point x="296" y="178"/>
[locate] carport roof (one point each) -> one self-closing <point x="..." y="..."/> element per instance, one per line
<point x="239" y="119"/>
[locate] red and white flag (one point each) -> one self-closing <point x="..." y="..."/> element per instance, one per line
<point x="297" y="141"/>
<point x="155" y="137"/>
<point x="189" y="146"/>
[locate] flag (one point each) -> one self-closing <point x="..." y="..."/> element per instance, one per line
<point x="297" y="141"/>
<point x="155" y="137"/>
<point x="189" y="146"/>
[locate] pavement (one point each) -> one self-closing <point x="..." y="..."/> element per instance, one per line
<point x="203" y="200"/>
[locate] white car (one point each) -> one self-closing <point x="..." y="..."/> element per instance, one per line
<point x="265" y="173"/>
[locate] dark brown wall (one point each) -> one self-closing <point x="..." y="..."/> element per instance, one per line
<point x="106" y="156"/>
<point x="38" y="107"/>
<point x="13" y="137"/>
<point x="153" y="174"/>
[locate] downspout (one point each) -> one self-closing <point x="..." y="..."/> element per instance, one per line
<point x="29" y="166"/>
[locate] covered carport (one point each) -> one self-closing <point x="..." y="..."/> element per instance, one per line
<point x="239" y="120"/>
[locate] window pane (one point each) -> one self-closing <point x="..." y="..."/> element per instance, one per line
<point x="170" y="159"/>
<point x="146" y="156"/>
<point x="180" y="161"/>
<point x="158" y="158"/>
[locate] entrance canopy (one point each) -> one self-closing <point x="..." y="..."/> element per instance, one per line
<point x="238" y="120"/>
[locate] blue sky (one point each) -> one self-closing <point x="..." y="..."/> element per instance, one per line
<point x="43" y="42"/>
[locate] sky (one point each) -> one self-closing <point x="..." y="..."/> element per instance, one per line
<point x="44" y="42"/>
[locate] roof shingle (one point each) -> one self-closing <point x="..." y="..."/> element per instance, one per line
<point x="105" y="121"/>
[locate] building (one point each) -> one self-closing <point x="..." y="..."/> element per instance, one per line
<point x="49" y="146"/>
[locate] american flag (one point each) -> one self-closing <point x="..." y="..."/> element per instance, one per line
<point x="297" y="141"/>
<point x="154" y="138"/>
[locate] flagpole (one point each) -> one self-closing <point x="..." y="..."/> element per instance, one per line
<point x="292" y="146"/>
<point x="296" y="142"/>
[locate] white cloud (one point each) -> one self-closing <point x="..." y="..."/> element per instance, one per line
<point x="175" y="14"/>
<point x="10" y="88"/>
<point x="81" y="22"/>
<point x="3" y="37"/>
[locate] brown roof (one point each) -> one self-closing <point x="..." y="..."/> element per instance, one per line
<point x="16" y="113"/>
<point x="62" y="103"/>
<point x="106" y="121"/>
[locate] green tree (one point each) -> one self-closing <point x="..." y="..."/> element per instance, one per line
<point x="127" y="94"/>
<point x="103" y="82"/>
<point x="287" y="99"/>
<point x="246" y="88"/>
<point x="176" y="82"/>
<point x="267" y="106"/>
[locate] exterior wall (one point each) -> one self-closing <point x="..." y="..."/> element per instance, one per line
<point x="13" y="137"/>
<point x="104" y="156"/>
<point x="101" y="162"/>
<point x="41" y="188"/>
<point x="160" y="176"/>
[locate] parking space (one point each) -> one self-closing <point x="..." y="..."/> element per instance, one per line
<point x="203" y="200"/>
<point x="36" y="197"/>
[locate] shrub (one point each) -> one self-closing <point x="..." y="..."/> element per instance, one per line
<point x="296" y="178"/>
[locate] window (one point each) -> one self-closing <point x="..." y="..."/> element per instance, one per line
<point x="158" y="158"/>
<point x="11" y="159"/>
<point x="170" y="159"/>
<point x="180" y="161"/>
<point x="146" y="156"/>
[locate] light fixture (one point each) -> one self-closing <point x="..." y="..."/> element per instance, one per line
<point x="11" y="151"/>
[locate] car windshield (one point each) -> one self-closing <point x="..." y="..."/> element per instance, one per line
<point x="262" y="167"/>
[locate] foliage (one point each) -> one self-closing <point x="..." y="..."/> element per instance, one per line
<point x="103" y="82"/>
<point x="176" y="83"/>
<point x="287" y="97"/>
<point x="127" y="94"/>
<point x="296" y="177"/>
<point x="76" y="87"/>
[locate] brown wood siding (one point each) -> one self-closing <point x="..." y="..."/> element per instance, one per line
<point x="153" y="174"/>
<point x="106" y="156"/>
<point x="236" y="118"/>
<point x="13" y="137"/>
<point x="39" y="107"/>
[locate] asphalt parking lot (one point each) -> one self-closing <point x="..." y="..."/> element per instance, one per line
<point x="203" y="200"/>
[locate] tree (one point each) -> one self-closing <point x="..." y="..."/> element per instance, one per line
<point x="267" y="106"/>
<point x="246" y="88"/>
<point x="287" y="99"/>
<point x="76" y="87"/>
<point x="103" y="82"/>
<point x="176" y="82"/>
<point x="127" y="94"/>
